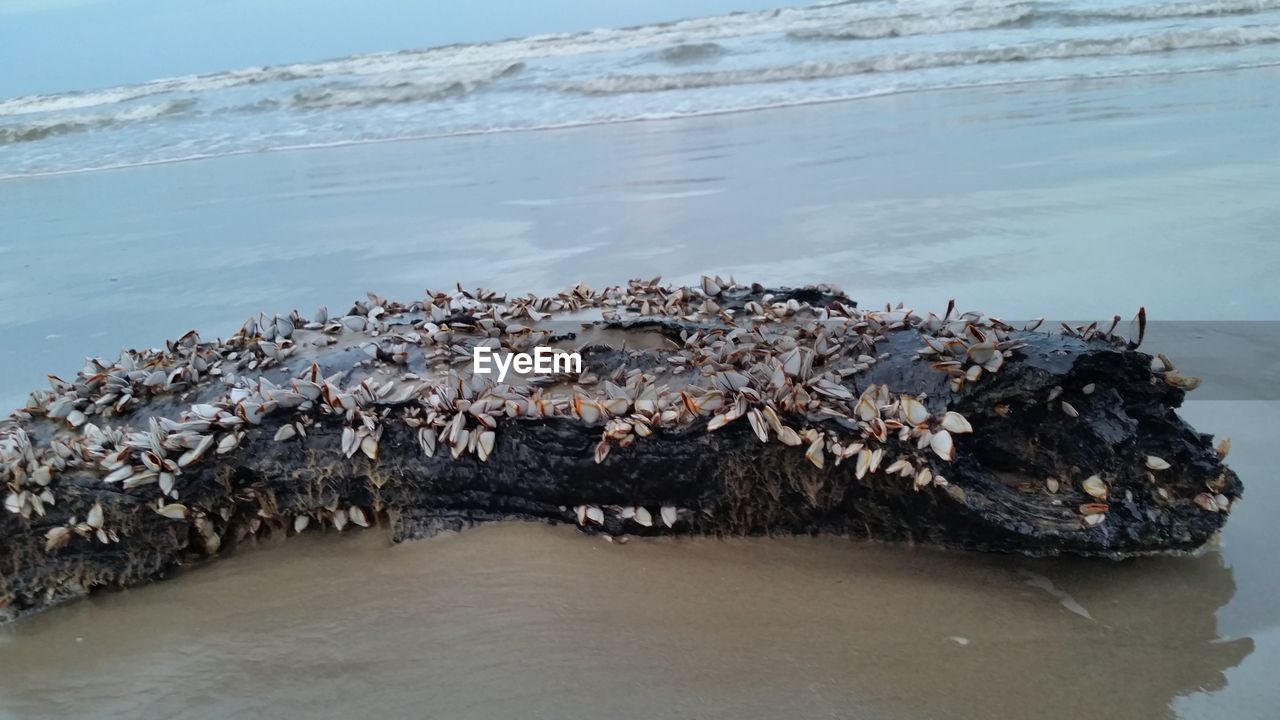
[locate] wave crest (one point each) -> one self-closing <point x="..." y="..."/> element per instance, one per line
<point x="899" y="62"/>
<point x="854" y="19"/>
<point x="688" y="53"/>
<point x="1210" y="8"/>
<point x="978" y="17"/>
<point x="351" y="96"/>
<point x="41" y="129"/>
<point x="902" y="25"/>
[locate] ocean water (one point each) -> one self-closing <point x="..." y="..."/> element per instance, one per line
<point x="795" y="55"/>
<point x="1090" y="179"/>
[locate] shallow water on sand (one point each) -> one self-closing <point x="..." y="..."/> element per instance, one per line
<point x="1070" y="200"/>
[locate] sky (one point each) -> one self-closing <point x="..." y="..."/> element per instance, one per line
<point x="49" y="46"/>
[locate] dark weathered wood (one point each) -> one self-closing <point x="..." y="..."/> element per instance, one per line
<point x="722" y="482"/>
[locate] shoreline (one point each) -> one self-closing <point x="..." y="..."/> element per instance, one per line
<point x="626" y="121"/>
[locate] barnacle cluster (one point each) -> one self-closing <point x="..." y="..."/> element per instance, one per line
<point x="789" y="364"/>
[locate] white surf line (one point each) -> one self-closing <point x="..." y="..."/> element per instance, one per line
<point x="573" y="125"/>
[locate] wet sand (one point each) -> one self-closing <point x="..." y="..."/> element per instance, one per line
<point x="993" y="196"/>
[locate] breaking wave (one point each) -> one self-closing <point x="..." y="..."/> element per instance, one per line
<point x="901" y="25"/>
<point x="860" y="19"/>
<point x="41" y="129"/>
<point x="1186" y="9"/>
<point x="374" y="95"/>
<point x="899" y="62"/>
<point x="514" y="51"/>
<point x="979" y="17"/>
<point x="688" y="53"/>
<point x="349" y="96"/>
<point x="770" y="58"/>
<point x="80" y="100"/>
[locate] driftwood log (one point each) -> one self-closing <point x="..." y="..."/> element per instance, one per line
<point x="710" y="410"/>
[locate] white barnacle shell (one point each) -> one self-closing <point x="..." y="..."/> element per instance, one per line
<point x="228" y="443"/>
<point x="14" y="502"/>
<point x="912" y="410"/>
<point x="788" y="436"/>
<point x="1207" y="502"/>
<point x="485" y="446"/>
<point x="941" y="444"/>
<point x="174" y="511"/>
<point x="357" y="516"/>
<point x="121" y="473"/>
<point x="369" y="446"/>
<point x="814" y="453"/>
<point x="643" y="517"/>
<point x="43" y="475"/>
<point x="863" y="463"/>
<point x="956" y="423"/>
<point x="982" y="353"/>
<point x="351" y="441"/>
<point x="758" y="424"/>
<point x="867" y="409"/>
<point x="57" y="537"/>
<point x="668" y="513"/>
<point x="1095" y="487"/>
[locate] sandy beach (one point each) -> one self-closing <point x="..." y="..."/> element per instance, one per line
<point x="1076" y="199"/>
